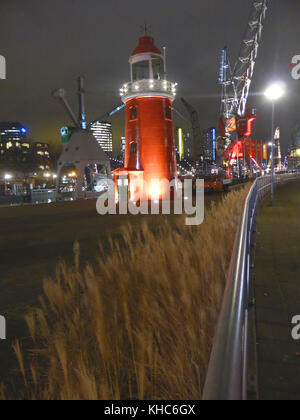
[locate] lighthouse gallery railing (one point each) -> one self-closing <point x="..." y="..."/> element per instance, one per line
<point x="148" y="86"/>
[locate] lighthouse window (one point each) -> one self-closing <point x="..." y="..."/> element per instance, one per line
<point x="158" y="68"/>
<point x="133" y="113"/>
<point x="140" y="70"/>
<point x="168" y="112"/>
<point x="133" y="148"/>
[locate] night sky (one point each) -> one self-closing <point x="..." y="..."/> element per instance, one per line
<point x="48" y="43"/>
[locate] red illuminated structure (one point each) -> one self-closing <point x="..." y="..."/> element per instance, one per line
<point x="244" y="147"/>
<point x="236" y="121"/>
<point x="150" y="153"/>
<point x="250" y="150"/>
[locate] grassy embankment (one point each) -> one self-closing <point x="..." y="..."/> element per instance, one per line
<point x="140" y="323"/>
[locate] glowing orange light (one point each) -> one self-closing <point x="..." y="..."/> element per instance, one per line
<point x="155" y="190"/>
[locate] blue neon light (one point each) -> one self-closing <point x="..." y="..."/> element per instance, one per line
<point x="214" y="143"/>
<point x="114" y="111"/>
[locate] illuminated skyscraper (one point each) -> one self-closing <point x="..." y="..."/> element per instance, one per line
<point x="210" y="138"/>
<point x="102" y="131"/>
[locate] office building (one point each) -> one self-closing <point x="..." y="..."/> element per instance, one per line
<point x="210" y="139"/>
<point x="102" y="131"/>
<point x="41" y="155"/>
<point x="13" y="140"/>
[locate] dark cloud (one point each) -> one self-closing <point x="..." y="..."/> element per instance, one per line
<point x="49" y="43"/>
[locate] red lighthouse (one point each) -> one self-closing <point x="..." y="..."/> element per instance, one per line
<point x="150" y="149"/>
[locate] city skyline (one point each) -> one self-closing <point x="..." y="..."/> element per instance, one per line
<point x="38" y="64"/>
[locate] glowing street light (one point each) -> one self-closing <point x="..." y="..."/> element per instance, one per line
<point x="7" y="177"/>
<point x="273" y="93"/>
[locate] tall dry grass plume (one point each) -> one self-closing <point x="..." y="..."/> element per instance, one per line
<point x="140" y="325"/>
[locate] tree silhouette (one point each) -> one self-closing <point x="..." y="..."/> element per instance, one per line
<point x="18" y="163"/>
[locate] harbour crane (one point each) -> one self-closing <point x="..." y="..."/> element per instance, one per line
<point x="81" y="121"/>
<point x="198" y="145"/>
<point x="236" y="121"/>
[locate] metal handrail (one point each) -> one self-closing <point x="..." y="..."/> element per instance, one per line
<point x="227" y="372"/>
<point x="148" y="87"/>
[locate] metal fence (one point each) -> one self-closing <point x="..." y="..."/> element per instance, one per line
<point x="42" y="196"/>
<point x="227" y="372"/>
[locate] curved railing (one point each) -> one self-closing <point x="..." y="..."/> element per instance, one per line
<point x="148" y="87"/>
<point x="227" y="372"/>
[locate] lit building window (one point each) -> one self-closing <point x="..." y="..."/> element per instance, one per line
<point x="168" y="112"/>
<point x="133" y="148"/>
<point x="141" y="70"/>
<point x="133" y="113"/>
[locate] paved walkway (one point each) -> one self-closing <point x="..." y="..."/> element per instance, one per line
<point x="277" y="293"/>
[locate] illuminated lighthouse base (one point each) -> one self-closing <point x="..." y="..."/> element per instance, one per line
<point x="150" y="155"/>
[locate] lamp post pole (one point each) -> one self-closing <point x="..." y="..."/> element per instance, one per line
<point x="272" y="152"/>
<point x="273" y="93"/>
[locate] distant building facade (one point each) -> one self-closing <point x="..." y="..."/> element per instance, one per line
<point x="209" y="140"/>
<point x="15" y="147"/>
<point x="102" y="131"/>
<point x="41" y="155"/>
<point x="123" y="144"/>
<point x="183" y="142"/>
<point x="13" y="141"/>
<point x="294" y="157"/>
<point x="294" y="149"/>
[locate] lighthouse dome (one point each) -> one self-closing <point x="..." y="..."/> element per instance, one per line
<point x="147" y="61"/>
<point x="148" y="72"/>
<point x="146" y="45"/>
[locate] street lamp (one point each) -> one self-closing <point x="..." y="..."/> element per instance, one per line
<point x="273" y="93"/>
<point x="7" y="177"/>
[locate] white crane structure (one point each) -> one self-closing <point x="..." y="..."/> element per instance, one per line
<point x="236" y="80"/>
<point x="235" y="124"/>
